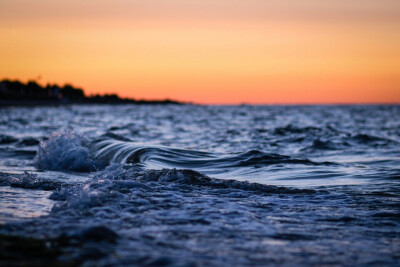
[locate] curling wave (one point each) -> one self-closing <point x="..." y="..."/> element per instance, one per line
<point x="158" y="157"/>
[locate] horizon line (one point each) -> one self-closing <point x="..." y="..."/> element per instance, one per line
<point x="193" y="102"/>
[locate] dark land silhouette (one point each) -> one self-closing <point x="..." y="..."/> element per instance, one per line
<point x="31" y="93"/>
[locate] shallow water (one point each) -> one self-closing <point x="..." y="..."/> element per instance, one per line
<point x="263" y="185"/>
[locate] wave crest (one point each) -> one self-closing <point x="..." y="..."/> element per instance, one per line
<point x="158" y="157"/>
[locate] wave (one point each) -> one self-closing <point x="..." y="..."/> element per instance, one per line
<point x="26" y="141"/>
<point x="291" y="129"/>
<point x="157" y="157"/>
<point x="330" y="138"/>
<point x="6" y="139"/>
<point x="375" y="141"/>
<point x="119" y="178"/>
<point x="319" y="144"/>
<point x="17" y="153"/>
<point x="67" y="150"/>
<point x="347" y="142"/>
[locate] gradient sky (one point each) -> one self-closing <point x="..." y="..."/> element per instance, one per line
<point x="208" y="51"/>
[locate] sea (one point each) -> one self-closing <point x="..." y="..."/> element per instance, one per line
<point x="194" y="185"/>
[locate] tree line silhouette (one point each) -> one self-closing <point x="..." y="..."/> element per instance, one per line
<point x="16" y="92"/>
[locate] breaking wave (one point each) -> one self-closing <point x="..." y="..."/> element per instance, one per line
<point x="157" y="157"/>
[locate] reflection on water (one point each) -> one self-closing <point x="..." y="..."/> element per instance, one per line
<point x="17" y="203"/>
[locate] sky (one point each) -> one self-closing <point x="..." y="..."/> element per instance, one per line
<point x="208" y="51"/>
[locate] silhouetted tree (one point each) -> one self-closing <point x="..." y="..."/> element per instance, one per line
<point x="32" y="91"/>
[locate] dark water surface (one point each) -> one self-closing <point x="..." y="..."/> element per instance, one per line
<point x="204" y="185"/>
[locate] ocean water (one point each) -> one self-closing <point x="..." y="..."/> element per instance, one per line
<point x="186" y="185"/>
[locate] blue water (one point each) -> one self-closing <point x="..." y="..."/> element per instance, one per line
<point x="205" y="185"/>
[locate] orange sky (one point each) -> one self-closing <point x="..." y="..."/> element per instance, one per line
<point x="208" y="51"/>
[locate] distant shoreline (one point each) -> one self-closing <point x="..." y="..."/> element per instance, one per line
<point x="33" y="103"/>
<point x="16" y="93"/>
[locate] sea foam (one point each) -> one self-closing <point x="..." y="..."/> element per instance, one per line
<point x="64" y="150"/>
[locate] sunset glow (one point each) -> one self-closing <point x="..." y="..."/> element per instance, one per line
<point x="214" y="52"/>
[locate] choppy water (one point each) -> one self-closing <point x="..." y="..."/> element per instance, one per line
<point x="205" y="185"/>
